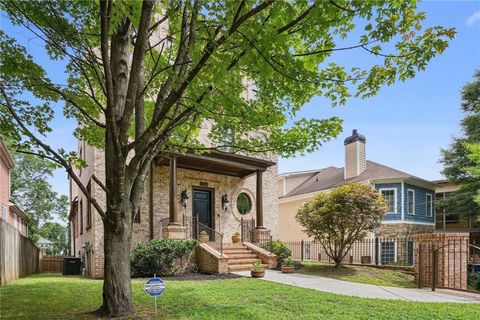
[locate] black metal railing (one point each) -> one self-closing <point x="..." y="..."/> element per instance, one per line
<point x="246" y="227"/>
<point x="373" y="251"/>
<point x="215" y="238"/>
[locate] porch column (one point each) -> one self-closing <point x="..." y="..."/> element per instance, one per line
<point x="173" y="216"/>
<point x="259" y="200"/>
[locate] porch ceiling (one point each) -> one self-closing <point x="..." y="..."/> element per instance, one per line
<point x="219" y="162"/>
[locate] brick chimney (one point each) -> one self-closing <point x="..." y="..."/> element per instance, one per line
<point x="355" y="161"/>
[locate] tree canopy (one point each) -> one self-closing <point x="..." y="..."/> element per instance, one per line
<point x="341" y="217"/>
<point x="145" y="76"/>
<point x="461" y="160"/>
<point x="32" y="192"/>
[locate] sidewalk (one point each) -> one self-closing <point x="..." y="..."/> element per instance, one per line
<point x="365" y="290"/>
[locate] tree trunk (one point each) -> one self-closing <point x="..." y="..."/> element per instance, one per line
<point x="117" y="299"/>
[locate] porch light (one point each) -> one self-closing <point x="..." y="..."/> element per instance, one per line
<point x="184" y="198"/>
<point x="225" y="202"/>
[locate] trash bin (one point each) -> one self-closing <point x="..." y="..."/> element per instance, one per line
<point x="71" y="266"/>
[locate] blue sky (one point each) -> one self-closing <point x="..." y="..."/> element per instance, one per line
<point x="406" y="124"/>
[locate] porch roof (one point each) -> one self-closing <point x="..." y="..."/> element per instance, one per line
<point x="219" y="162"/>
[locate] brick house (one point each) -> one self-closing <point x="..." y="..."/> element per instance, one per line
<point x="410" y="200"/>
<point x="218" y="192"/>
<point x="9" y="211"/>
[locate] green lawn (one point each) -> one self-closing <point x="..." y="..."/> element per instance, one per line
<point x="361" y="274"/>
<point x="50" y="296"/>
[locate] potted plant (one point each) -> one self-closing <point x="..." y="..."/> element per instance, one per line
<point x="287" y="266"/>
<point x="203" y="237"/>
<point x="236" y="238"/>
<point x="258" y="271"/>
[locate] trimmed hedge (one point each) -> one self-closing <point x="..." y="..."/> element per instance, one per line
<point x="165" y="257"/>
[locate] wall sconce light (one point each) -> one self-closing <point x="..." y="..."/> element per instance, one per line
<point x="225" y="202"/>
<point x="184" y="198"/>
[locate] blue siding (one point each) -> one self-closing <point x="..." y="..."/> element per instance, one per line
<point x="398" y="187"/>
<point x="420" y="204"/>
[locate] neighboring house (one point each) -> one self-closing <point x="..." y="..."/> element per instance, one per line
<point x="454" y="221"/>
<point x="217" y="189"/>
<point x="410" y="200"/>
<point x="45" y="244"/>
<point x="9" y="211"/>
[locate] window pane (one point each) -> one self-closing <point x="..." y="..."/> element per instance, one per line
<point x="387" y="252"/>
<point x="389" y="196"/>
<point x="244" y="204"/>
<point x="410" y="204"/>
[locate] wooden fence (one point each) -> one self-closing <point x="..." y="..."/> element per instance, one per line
<point x="51" y="264"/>
<point x="19" y="257"/>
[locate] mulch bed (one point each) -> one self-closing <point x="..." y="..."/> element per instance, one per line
<point x="201" y="276"/>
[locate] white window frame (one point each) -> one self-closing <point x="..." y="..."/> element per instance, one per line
<point x="413" y="202"/>
<point x="429" y="214"/>
<point x="394" y="198"/>
<point x="4" y="213"/>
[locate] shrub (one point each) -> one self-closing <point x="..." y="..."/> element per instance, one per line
<point x="278" y="248"/>
<point x="163" y="257"/>
<point x="288" y="262"/>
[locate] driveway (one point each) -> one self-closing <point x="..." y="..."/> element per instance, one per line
<point x="366" y="290"/>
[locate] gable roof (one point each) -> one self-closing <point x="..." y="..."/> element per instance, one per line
<point x="332" y="176"/>
<point x="44" y="240"/>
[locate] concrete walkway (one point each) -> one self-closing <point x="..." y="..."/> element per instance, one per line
<point x="366" y="290"/>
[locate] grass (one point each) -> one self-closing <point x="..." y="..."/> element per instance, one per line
<point x="51" y="296"/>
<point x="360" y="274"/>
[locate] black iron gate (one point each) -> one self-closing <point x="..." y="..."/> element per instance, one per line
<point x="246" y="226"/>
<point x="452" y="264"/>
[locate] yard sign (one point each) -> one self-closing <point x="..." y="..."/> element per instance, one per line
<point x="154" y="287"/>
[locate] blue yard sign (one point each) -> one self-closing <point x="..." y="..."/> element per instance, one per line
<point x="154" y="287"/>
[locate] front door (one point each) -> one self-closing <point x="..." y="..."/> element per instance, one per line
<point x="202" y="206"/>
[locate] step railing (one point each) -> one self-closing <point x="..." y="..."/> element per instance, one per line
<point x="194" y="228"/>
<point x="215" y="238"/>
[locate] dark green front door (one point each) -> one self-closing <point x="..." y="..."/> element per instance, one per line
<point x="202" y="206"/>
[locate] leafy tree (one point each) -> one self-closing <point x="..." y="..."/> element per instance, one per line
<point x="341" y="217"/>
<point x="56" y="233"/>
<point x="143" y="76"/>
<point x="461" y="159"/>
<point x="32" y="192"/>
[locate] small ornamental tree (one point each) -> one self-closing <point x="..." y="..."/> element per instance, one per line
<point x="340" y="218"/>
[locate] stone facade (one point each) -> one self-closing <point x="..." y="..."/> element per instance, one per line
<point x="87" y="240"/>
<point x="402" y="230"/>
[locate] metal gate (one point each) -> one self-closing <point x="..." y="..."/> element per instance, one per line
<point x="247" y="225"/>
<point x="453" y="264"/>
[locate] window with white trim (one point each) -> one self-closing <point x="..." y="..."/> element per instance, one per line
<point x="429" y="204"/>
<point x="4" y="212"/>
<point x="390" y="196"/>
<point x="410" y="201"/>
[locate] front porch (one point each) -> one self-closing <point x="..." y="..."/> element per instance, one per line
<point x="217" y="194"/>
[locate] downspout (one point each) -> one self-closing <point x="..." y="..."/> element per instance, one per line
<point x="150" y="204"/>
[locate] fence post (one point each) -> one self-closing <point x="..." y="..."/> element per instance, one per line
<point x="377" y="255"/>
<point x="420" y="264"/>
<point x="434" y="266"/>
<point x="302" y="250"/>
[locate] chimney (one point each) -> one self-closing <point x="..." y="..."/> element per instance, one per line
<point x="355" y="162"/>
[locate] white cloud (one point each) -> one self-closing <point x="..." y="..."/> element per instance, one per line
<point x="473" y="19"/>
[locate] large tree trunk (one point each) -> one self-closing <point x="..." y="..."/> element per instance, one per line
<point x="117" y="299"/>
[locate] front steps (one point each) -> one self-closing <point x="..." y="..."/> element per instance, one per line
<point x="240" y="257"/>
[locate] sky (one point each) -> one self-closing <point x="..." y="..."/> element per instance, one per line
<point x="406" y="124"/>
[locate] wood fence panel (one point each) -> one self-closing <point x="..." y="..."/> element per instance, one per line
<point x="19" y="257"/>
<point x="51" y="264"/>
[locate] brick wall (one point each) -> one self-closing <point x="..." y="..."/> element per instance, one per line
<point x="402" y="230"/>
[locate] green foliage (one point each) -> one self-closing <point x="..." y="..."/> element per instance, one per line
<point x="462" y="159"/>
<point x="278" y="248"/>
<point x="341" y="217"/>
<point x="473" y="281"/>
<point x="162" y="256"/>
<point x="257" y="266"/>
<point x="56" y="233"/>
<point x="288" y="262"/>
<point x="32" y="192"/>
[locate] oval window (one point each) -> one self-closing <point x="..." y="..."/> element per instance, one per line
<point x="244" y="204"/>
